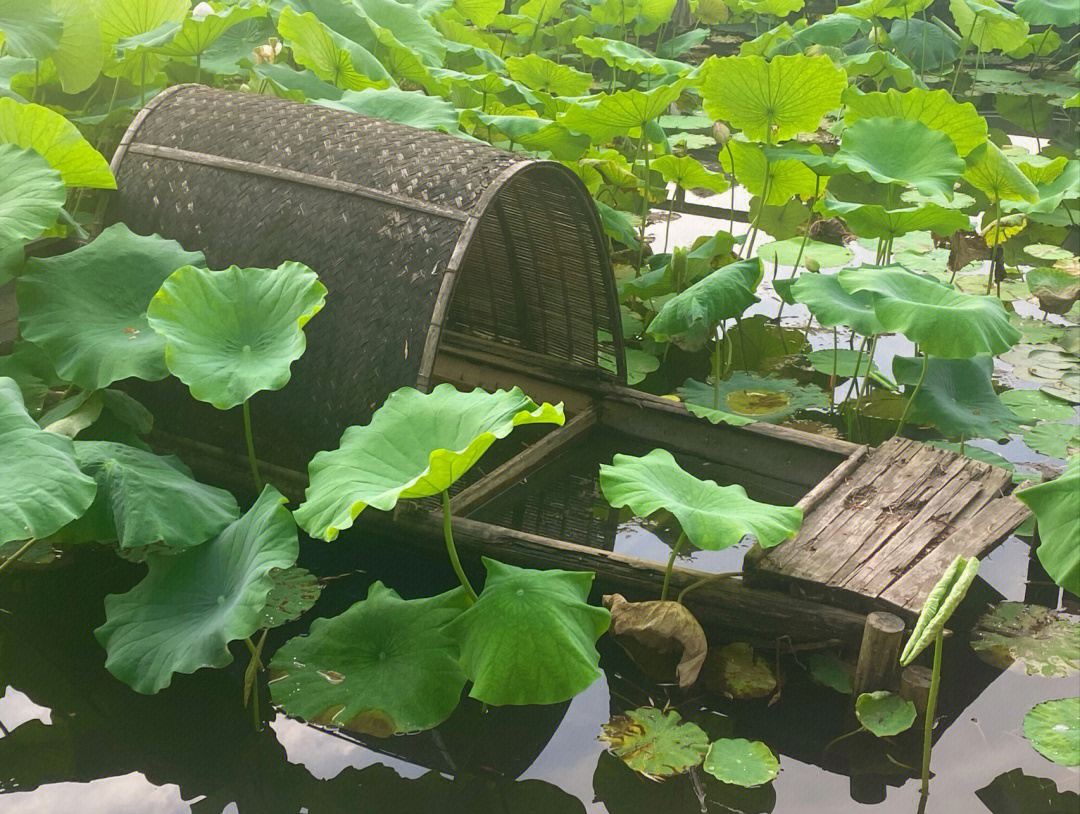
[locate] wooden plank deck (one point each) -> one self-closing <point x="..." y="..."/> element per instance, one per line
<point x="885" y="533"/>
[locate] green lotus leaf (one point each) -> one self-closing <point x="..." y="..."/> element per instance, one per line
<point x="785" y="252"/>
<point x="831" y="304"/>
<point x="786" y="178"/>
<point x="1039" y="169"/>
<point x="988" y="25"/>
<point x="688" y="173"/>
<point x="1056" y="506"/>
<point x="892" y="150"/>
<point x="827" y="670"/>
<point x="482" y="13"/>
<point x="942" y="600"/>
<point x="735" y="671"/>
<point x="43" y="487"/>
<point x="924" y="44"/>
<point x="1053" y="728"/>
<point x="30" y="28"/>
<point x="416" y="445"/>
<point x="145" y="499"/>
<point x="329" y="55"/>
<point x="1056" y="289"/>
<point x="1065" y="187"/>
<point x="624" y="56"/>
<point x="1055" y="439"/>
<point x="1039" y="639"/>
<point x="741" y="762"/>
<point x="624" y="112"/>
<point x="639" y="364"/>
<point x="943" y="322"/>
<point x="847" y="364"/>
<point x="1045" y="251"/>
<point x="198" y="32"/>
<point x="1034" y="405"/>
<point x="413" y="108"/>
<point x="881" y="66"/>
<point x="771" y="101"/>
<point x="744" y="399"/>
<point x="1040" y="363"/>
<point x="81" y="54"/>
<point x="884" y="9"/>
<point x="957" y="397"/>
<point x="884" y="713"/>
<point x="713" y="517"/>
<point x="384" y="666"/>
<point x="877" y="222"/>
<point x="533" y="133"/>
<point x="655" y="743"/>
<point x="776" y="8"/>
<point x="722" y="295"/>
<point x="991" y="172"/>
<point x="1042" y="44"/>
<point x="834" y="30"/>
<point x="295" y="590"/>
<point x="57" y="140"/>
<point x="1067" y="388"/>
<point x="130" y="27"/>
<point x="32" y="194"/>
<point x="231" y="334"/>
<point x="1060" y="13"/>
<point x="183" y="614"/>
<point x="550" y="77"/>
<point x="934" y="108"/>
<point x="97" y="334"/>
<point x="530" y="636"/>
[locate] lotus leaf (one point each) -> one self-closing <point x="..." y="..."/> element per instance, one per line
<point x="893" y="150"/>
<point x="31" y="196"/>
<point x="1055" y="439"/>
<point x="1053" y="728"/>
<point x="884" y="713"/>
<point x="1056" y="505"/>
<point x="744" y="399"/>
<point x="944" y="322"/>
<point x="386" y="665"/>
<point x="988" y="25"/>
<point x="530" y="636"/>
<point x="624" y="112"/>
<point x="741" y="762"/>
<point x="771" y="101"/>
<point x="416" y="445"/>
<point x="1040" y="363"/>
<point x="943" y="599"/>
<point x="295" y="590"/>
<point x="885" y="9"/>
<point x="957" y="397"/>
<point x="230" y="334"/>
<point x="935" y="108"/>
<point x="832" y="305"/>
<point x="413" y="108"/>
<point x="924" y="44"/>
<point x="80" y="55"/>
<point x="846" y="364"/>
<point x="713" y="517"/>
<point x="534" y="133"/>
<point x="1034" y="405"/>
<point x="481" y="12"/>
<point x="655" y="743"/>
<point x="329" y="55"/>
<point x="722" y="295"/>
<point x="198" y="32"/>
<point x="828" y="670"/>
<point x="1040" y="639"/>
<point x="43" y="488"/>
<point x="874" y="221"/>
<point x="737" y="672"/>
<point x="662" y="638"/>
<point x="881" y="65"/>
<point x="1057" y="290"/>
<point x="57" y="140"/>
<point x="784" y="177"/>
<point x="1067" y="388"/>
<point x="1060" y="13"/>
<point x="991" y="172"/>
<point x="757" y="343"/>
<point x="785" y="253"/>
<point x="550" y="77"/>
<point x="187" y="609"/>
<point x="96" y="334"/>
<point x="688" y="173"/>
<point x="30" y="28"/>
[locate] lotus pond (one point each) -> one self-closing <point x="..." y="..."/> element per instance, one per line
<point x="854" y="220"/>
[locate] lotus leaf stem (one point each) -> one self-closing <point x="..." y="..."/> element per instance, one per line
<point x="671" y="563"/>
<point x="861" y="391"/>
<point x="931" y="708"/>
<point x="914" y="393"/>
<point x="451" y="549"/>
<point x="963" y="52"/>
<point x="994" y="247"/>
<point x="22" y="550"/>
<point x="832" y="379"/>
<point x="251" y="448"/>
<point x="693" y="586"/>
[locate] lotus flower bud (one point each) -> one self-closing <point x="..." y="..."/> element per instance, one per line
<point x="202" y="11"/>
<point x="812" y="265"/>
<point x="678" y="268"/>
<point x="721" y="133"/>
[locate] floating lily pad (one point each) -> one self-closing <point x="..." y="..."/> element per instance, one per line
<point x="1053" y="728"/>
<point x="741" y="762"/>
<point x="1034" y="405"/>
<point x="385" y="665"/>
<point x="826" y="255"/>
<point x="657" y="744"/>
<point x="1039" y="639"/>
<point x="745" y="399"/>
<point x="827" y="669"/>
<point x="662" y="638"/>
<point x="1042" y="363"/>
<point x="884" y="713"/>
<point x="737" y="672"/>
<point x="1056" y="439"/>
<point x="295" y="590"/>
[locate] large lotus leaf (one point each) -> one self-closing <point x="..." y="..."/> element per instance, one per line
<point x="1056" y="289"/>
<point x="413" y="108"/>
<point x="130" y="27"/>
<point x="329" y="55"/>
<point x="550" y="77"/>
<point x="743" y="398"/>
<point x="386" y="665"/>
<point x="935" y="108"/>
<point x="59" y="142"/>
<point x="773" y="100"/>
<point x="624" y="112"/>
<point x="712" y="516"/>
<point x="655" y="743"/>
<point x="1056" y="505"/>
<point x="688" y="173"/>
<point x="785" y="177"/>
<point x="988" y="25"/>
<point x="1035" y="405"/>
<point x="199" y="31"/>
<point x="30" y="29"/>
<point x="924" y="44"/>
<point x="722" y="295"/>
<point x="736" y="671"/>
<point x="1040" y="639"/>
<point x="847" y="364"/>
<point x="884" y="713"/>
<point x="145" y="499"/>
<point x="661" y="637"/>
<point x="31" y="195"/>
<point x="97" y="333"/>
<point x="1054" y="439"/>
<point x="957" y="397"/>
<point x="530" y="637"/>
<point x="482" y="13"/>
<point x="991" y="172"/>
<point x="294" y="592"/>
<point x="943" y="599"/>
<point x="881" y="66"/>
<point x="942" y="321"/>
<point x="1014" y="792"/>
<point x="42" y="486"/>
<point x="233" y="333"/>
<point x="1060" y="13"/>
<point x="183" y="614"/>
<point x="786" y="252"/>
<point x="879" y="223"/>
<point x="533" y="133"/>
<point x="81" y="55"/>
<point x="1053" y="728"/>
<point x="741" y="762"/>
<point x="416" y="445"/>
<point x="831" y="304"/>
<point x="884" y="9"/>
<point x="624" y="56"/>
<point x="892" y="150"/>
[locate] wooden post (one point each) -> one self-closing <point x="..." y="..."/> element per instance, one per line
<point x="915" y="686"/>
<point x="876" y="669"/>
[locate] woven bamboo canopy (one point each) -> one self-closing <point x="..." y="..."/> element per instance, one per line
<point x="422" y="239"/>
